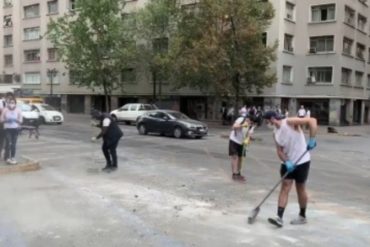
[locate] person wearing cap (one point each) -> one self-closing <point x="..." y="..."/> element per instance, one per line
<point x="291" y="145"/>
<point x="238" y="136"/>
<point x="111" y="134"/>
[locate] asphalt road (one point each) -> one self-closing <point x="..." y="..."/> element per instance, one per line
<point x="170" y="192"/>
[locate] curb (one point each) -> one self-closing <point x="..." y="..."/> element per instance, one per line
<point x="27" y="166"/>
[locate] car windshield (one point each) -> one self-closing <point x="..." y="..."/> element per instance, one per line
<point x="47" y="108"/>
<point x="25" y="107"/>
<point x="178" y="115"/>
<point x="147" y="107"/>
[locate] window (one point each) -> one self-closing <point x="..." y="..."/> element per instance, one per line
<point x="32" y="78"/>
<point x="368" y="81"/>
<point x="289" y="8"/>
<point x="360" y="50"/>
<point x="72" y="4"/>
<point x="53" y="77"/>
<point x="287" y="74"/>
<point x="346" y="76"/>
<point x="160" y="45"/>
<point x="8" y="21"/>
<point x="347" y="46"/>
<point x="74" y="78"/>
<point x="359" y="77"/>
<point x="53" y="7"/>
<point x="8" y="60"/>
<point x="323" y="13"/>
<point x="322" y="44"/>
<point x="288" y="42"/>
<point x="8" y="3"/>
<point x="361" y="22"/>
<point x="32" y="11"/>
<point x="32" y="33"/>
<point x="8" y="78"/>
<point x="349" y="16"/>
<point x="128" y="75"/>
<point x="8" y="40"/>
<point x="321" y="74"/>
<point x="52" y="54"/>
<point x="32" y="55"/>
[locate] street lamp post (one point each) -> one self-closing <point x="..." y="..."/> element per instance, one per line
<point x="51" y="74"/>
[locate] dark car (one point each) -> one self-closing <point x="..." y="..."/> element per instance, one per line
<point x="173" y="123"/>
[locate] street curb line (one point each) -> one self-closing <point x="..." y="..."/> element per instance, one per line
<point x="27" y="166"/>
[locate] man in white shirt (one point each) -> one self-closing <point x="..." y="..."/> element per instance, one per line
<point x="291" y="145"/>
<point x="302" y="112"/>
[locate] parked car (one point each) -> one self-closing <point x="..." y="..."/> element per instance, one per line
<point x="30" y="117"/>
<point x="129" y="113"/>
<point x="48" y="114"/>
<point x="173" y="123"/>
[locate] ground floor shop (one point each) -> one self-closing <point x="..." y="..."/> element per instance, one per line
<point x="328" y="111"/>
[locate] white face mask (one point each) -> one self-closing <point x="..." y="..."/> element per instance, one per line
<point x="11" y="105"/>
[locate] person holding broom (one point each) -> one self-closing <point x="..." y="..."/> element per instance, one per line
<point x="292" y="150"/>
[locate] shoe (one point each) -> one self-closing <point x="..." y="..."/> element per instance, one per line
<point x="9" y="161"/>
<point x="238" y="178"/>
<point x="107" y="169"/>
<point x="113" y="168"/>
<point x="299" y="220"/>
<point x="13" y="161"/>
<point x="277" y="221"/>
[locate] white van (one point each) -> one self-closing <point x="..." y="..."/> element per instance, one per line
<point x="130" y="112"/>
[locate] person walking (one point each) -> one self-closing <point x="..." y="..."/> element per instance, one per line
<point x="111" y="134"/>
<point x="11" y="117"/>
<point x="291" y="145"/>
<point x="238" y="135"/>
<point x="301" y="112"/>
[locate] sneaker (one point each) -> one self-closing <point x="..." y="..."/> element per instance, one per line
<point x="277" y="221"/>
<point x="13" y="161"/>
<point x="238" y="178"/>
<point x="113" y="168"/>
<point x="106" y="169"/>
<point x="299" y="220"/>
<point x="9" y="161"/>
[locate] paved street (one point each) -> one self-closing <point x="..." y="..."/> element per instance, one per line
<point x="170" y="192"/>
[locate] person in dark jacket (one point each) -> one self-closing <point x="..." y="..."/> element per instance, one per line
<point x="111" y="134"/>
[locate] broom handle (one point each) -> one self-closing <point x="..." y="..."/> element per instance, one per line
<point x="281" y="180"/>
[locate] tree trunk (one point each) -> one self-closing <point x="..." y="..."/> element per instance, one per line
<point x="106" y="96"/>
<point x="160" y="93"/>
<point x="154" y="78"/>
<point x="236" y="83"/>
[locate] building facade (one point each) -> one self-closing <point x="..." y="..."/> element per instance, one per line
<point x="323" y="61"/>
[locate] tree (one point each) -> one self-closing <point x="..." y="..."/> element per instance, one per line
<point x="94" y="44"/>
<point x="218" y="46"/>
<point x="155" y="24"/>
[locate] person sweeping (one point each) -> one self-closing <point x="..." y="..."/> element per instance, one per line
<point x="290" y="146"/>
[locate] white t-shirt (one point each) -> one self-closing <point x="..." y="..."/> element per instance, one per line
<point x="301" y="113"/>
<point x="293" y="142"/>
<point x="106" y="122"/>
<point x="238" y="135"/>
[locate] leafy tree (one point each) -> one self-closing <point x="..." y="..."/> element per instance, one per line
<point x="94" y="43"/>
<point x="155" y="24"/>
<point x="218" y="46"/>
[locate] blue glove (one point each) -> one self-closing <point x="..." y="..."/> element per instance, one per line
<point x="289" y="166"/>
<point x="311" y="144"/>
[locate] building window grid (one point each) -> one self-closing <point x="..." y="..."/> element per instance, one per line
<point x="346" y="76"/>
<point x="287" y="74"/>
<point x="7" y="21"/>
<point x="322" y="13"/>
<point x="349" y="16"/>
<point x="289" y="7"/>
<point x="7" y="3"/>
<point x="360" y="50"/>
<point x="32" y="33"/>
<point x="347" y="46"/>
<point x="288" y="42"/>
<point x="8" y="60"/>
<point x="52" y="54"/>
<point x="359" y="78"/>
<point x="32" y="78"/>
<point x="322" y="44"/>
<point x="8" y="40"/>
<point x="32" y="55"/>
<point x="32" y="11"/>
<point x="321" y="74"/>
<point x="361" y="22"/>
<point x="53" y="7"/>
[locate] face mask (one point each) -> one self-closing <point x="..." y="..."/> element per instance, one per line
<point x="11" y="105"/>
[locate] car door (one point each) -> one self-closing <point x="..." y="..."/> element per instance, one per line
<point x="132" y="112"/>
<point x="122" y="112"/>
<point x="163" y="122"/>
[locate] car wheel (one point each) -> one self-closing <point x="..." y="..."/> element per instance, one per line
<point x="177" y="133"/>
<point x="198" y="137"/>
<point x="142" y="129"/>
<point x="127" y="122"/>
<point x="114" y="117"/>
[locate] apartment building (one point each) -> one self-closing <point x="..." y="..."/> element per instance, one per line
<point x="323" y="61"/>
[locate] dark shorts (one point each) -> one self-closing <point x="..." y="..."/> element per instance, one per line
<point x="300" y="174"/>
<point x="235" y="149"/>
